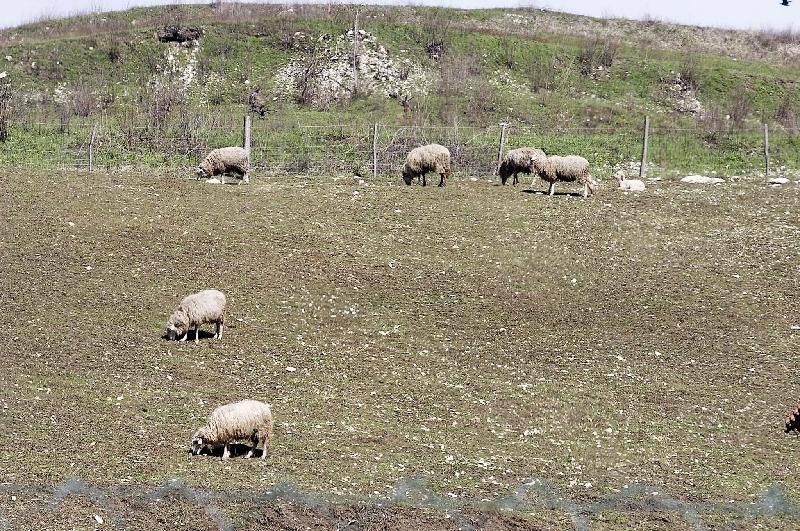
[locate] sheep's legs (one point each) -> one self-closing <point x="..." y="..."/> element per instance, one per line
<point x="184" y="335"/>
<point x="585" y="190"/>
<point x="197" y="335"/>
<point x="424" y="181"/>
<point x="516" y="179"/>
<point x="552" y="189"/>
<point x="246" y="178"/>
<point x="226" y="452"/>
<point x="442" y="179"/>
<point x="218" y="335"/>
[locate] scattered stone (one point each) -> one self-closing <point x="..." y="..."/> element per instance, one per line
<point x="701" y="179"/>
<point x="778" y="180"/>
<point x="213" y="181"/>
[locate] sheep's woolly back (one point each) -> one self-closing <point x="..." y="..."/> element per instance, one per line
<point x="226" y="160"/>
<point x="207" y="306"/>
<point x="237" y="421"/>
<point x="568" y="169"/>
<point x="520" y="160"/>
<point x="430" y="158"/>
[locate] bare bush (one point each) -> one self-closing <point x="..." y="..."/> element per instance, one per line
<point x="161" y="99"/>
<point x="84" y="101"/>
<point x="739" y="109"/>
<point x="689" y="75"/>
<point x="542" y="74"/>
<point x="787" y="112"/>
<point x="595" y="53"/>
<point x="5" y="107"/>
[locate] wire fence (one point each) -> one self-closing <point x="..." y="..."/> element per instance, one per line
<point x="373" y="149"/>
<point x="124" y="505"/>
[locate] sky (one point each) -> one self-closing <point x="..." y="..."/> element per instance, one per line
<point x="742" y="14"/>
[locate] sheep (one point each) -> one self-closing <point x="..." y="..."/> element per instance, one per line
<point x="566" y="169"/>
<point x="207" y="306"/>
<point x="629" y="185"/>
<point x="245" y="420"/>
<point x="424" y="159"/>
<point x="519" y="160"/>
<point x="226" y="160"/>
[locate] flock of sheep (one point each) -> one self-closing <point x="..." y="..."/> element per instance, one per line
<point x="252" y="420"/>
<point x="435" y="158"/>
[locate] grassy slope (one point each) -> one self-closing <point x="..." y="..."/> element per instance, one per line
<point x="448" y="334"/>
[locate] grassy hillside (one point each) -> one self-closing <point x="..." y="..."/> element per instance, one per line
<point x="531" y="68"/>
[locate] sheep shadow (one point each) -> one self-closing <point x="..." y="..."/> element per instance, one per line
<point x="204" y="334"/>
<point x="544" y="192"/>
<point x="236" y="449"/>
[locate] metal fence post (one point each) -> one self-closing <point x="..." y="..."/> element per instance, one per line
<point x="91" y="148"/>
<point x="645" y="143"/>
<point x="501" y="147"/>
<point x="375" y="151"/>
<point x="766" y="148"/>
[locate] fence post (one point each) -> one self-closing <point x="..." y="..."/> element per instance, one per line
<point x="91" y="148"/>
<point x="375" y="151"/>
<point x="766" y="148"/>
<point x="246" y="134"/>
<point x="501" y="147"/>
<point x="645" y="144"/>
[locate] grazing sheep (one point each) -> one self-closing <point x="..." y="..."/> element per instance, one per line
<point x="566" y="169"/>
<point x="246" y="420"/>
<point x="629" y="185"/>
<point x="207" y="306"/>
<point x="521" y="160"/>
<point x="424" y="159"/>
<point x="226" y="160"/>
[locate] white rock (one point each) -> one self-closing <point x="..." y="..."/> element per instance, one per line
<point x="213" y="181"/>
<point x="290" y="369"/>
<point x="701" y="179"/>
<point x="778" y="180"/>
<point x="98" y="519"/>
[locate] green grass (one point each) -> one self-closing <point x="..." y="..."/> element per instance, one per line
<point x="508" y="330"/>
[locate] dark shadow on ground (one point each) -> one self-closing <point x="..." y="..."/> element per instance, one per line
<point x="237" y="450"/>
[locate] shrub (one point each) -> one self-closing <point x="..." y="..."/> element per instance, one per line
<point x="787" y="111"/>
<point x="5" y="107"/>
<point x="739" y="109"/>
<point x="84" y="100"/>
<point x="689" y="75"/>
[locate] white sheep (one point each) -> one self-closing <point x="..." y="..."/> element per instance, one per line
<point x="249" y="420"/>
<point x="629" y="185"/>
<point x="520" y="160"/>
<point x="234" y="160"/>
<point x="424" y="159"/>
<point x="571" y="168"/>
<point x="207" y="306"/>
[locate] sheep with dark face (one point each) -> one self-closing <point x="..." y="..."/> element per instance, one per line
<point x="207" y="306"/>
<point x="521" y="160"/>
<point x="249" y="420"/>
<point x="220" y="161"/>
<point x="424" y="159"/>
<point x="571" y="168"/>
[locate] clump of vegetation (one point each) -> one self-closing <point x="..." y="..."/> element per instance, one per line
<point x="596" y="53"/>
<point x="787" y="111"/>
<point x="739" y="109"/>
<point x="5" y="106"/>
<point x="689" y="75"/>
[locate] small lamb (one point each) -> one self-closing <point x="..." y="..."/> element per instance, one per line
<point x="249" y="420"/>
<point x="207" y="306"/>
<point x="629" y="185"/>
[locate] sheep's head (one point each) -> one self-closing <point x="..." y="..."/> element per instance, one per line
<point x="198" y="442"/>
<point x="592" y="184"/>
<point x="619" y="176"/>
<point x="407" y="176"/>
<point x="204" y="170"/>
<point x="177" y="326"/>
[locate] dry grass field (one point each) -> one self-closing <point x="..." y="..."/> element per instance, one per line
<point x="470" y="338"/>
